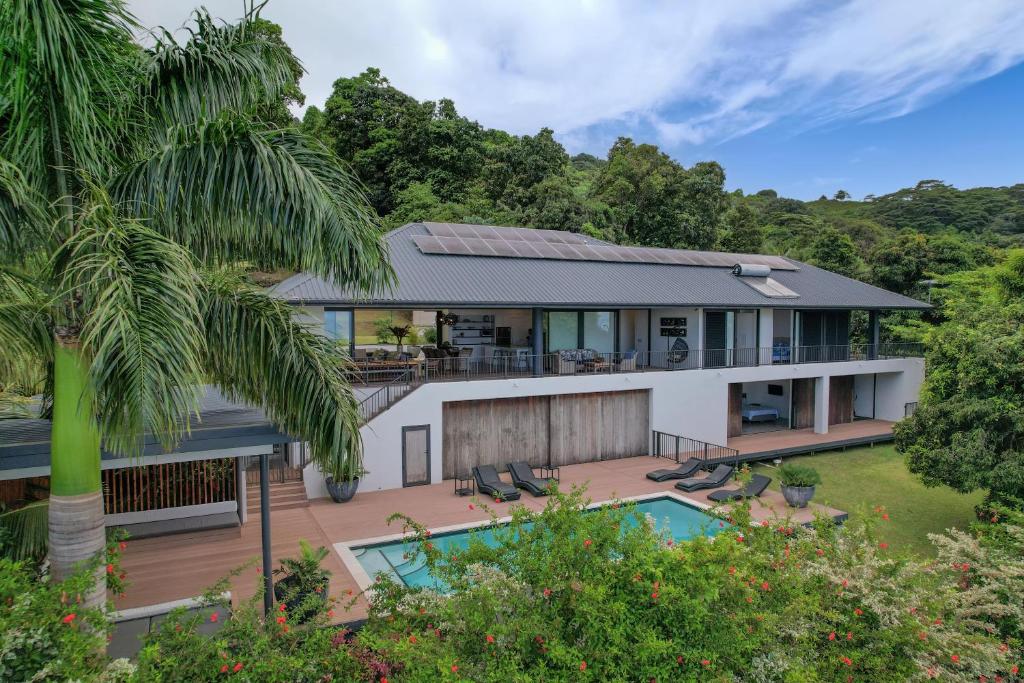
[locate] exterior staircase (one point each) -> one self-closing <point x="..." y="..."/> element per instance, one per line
<point x="283" y="496"/>
<point x="386" y="396"/>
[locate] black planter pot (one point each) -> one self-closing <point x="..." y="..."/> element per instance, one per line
<point x="342" y="491"/>
<point x="797" y="496"/>
<point x="286" y="587"/>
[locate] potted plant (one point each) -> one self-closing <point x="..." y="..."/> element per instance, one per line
<point x="342" y="468"/>
<point x="344" y="486"/>
<point x="798" y="482"/>
<point x="399" y="332"/>
<point x="304" y="578"/>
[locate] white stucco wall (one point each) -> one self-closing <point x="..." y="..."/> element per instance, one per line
<point x="691" y="403"/>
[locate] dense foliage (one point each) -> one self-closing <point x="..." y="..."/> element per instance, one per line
<point x="602" y="596"/>
<point x="968" y="429"/>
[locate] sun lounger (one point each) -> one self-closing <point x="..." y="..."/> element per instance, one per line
<point x="523" y="477"/>
<point x="758" y="483"/>
<point x="488" y="481"/>
<point x="717" y="478"/>
<point x="684" y="470"/>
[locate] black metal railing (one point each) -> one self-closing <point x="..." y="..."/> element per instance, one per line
<point x="398" y="386"/>
<point x="396" y="377"/>
<point x="682" y="448"/>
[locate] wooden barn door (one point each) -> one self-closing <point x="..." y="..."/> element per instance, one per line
<point x="840" y="400"/>
<point x="493" y="432"/>
<point x="735" y="409"/>
<point x="564" y="429"/>
<point x="803" y="403"/>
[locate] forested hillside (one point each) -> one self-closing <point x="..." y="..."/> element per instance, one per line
<point x="424" y="161"/>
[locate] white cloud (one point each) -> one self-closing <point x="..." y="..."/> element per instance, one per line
<point x="693" y="72"/>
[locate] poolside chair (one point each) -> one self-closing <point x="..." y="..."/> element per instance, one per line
<point x="488" y="481"/>
<point x="717" y="478"/>
<point x="685" y="469"/>
<point x="523" y="478"/>
<point x="758" y="483"/>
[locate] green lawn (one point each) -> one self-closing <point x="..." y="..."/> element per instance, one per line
<point x="875" y="476"/>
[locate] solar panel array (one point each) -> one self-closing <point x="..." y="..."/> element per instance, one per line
<point x="485" y="240"/>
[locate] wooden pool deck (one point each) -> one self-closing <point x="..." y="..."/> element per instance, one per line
<point x="184" y="565"/>
<point x="787" y="442"/>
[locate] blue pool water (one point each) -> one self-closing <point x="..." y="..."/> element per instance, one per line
<point x="402" y="562"/>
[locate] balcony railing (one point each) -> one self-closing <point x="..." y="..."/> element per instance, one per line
<point x="403" y="374"/>
<point x="682" y="448"/>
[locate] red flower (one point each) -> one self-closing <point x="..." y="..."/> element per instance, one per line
<point x="547" y="592"/>
<point x="110" y="569"/>
<point x="922" y="636"/>
<point x="471" y="507"/>
<point x="832" y="636"/>
<point x="858" y="611"/>
<point x="121" y="576"/>
<point x="1014" y="669"/>
<point x="213" y="617"/>
<point x="587" y="543"/>
<point x="412" y="639"/>
<point x="955" y="659"/>
<point x="281" y="607"/>
<point x="705" y="662"/>
<point x="383" y="680"/>
<point x="750" y="599"/>
<point x="281" y="620"/>
<point x="820" y="552"/>
<point x="732" y="571"/>
<point x="455" y="667"/>
<point x="330" y="613"/>
<point x="885" y="516"/>
<point x="237" y="667"/>
<point x="764" y="522"/>
<point x="490" y="638"/>
<point x="430" y="546"/>
<point x="883" y="545"/>
<point x="122" y="545"/>
<point x="739" y="539"/>
<point x="845" y="583"/>
<point x="764" y="585"/>
<point x="654" y="595"/>
<point x="849" y="635"/>
<point x="847" y="661"/>
<point x="69" y="618"/>
<point x="583" y="666"/>
<point x="679" y="660"/>
<point x="1003" y="647"/>
<point x="224" y="669"/>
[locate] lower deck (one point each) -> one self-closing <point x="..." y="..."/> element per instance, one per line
<point x="184" y="565"/>
<point x="789" y="442"/>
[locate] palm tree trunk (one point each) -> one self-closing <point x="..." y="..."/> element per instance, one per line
<point x="77" y="533"/>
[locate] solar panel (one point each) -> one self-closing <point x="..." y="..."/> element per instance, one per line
<point x="769" y="287"/>
<point x="486" y="240"/>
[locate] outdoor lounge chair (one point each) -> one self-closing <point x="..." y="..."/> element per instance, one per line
<point x="488" y="481"/>
<point x="758" y="483"/>
<point x="717" y="478"/>
<point x="523" y="478"/>
<point x="685" y="469"/>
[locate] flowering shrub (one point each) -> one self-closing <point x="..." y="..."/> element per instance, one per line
<point x="570" y="596"/>
<point x="45" y="634"/>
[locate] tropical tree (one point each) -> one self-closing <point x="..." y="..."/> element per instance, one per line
<point x="132" y="182"/>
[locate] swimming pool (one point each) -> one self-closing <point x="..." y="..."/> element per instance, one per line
<point x="402" y="561"/>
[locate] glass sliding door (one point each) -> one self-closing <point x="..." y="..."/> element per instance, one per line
<point x="563" y="330"/>
<point x="599" y="331"/>
<point x="338" y="325"/>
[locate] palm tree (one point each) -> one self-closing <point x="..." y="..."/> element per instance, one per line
<point x="133" y="181"/>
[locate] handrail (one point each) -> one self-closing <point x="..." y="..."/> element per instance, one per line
<point x="674" y="446"/>
<point x="398" y="387"/>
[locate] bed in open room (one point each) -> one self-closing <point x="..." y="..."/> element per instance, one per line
<point x="757" y="407"/>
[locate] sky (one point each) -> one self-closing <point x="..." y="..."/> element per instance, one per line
<point x="802" y="96"/>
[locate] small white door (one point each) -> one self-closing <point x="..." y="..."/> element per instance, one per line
<point x="416" y="455"/>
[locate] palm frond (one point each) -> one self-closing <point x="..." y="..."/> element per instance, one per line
<point x="23" y="214"/>
<point x="23" y="531"/>
<point x="26" y="336"/>
<point x="57" y="60"/>
<point x="220" y="67"/>
<point x="229" y="191"/>
<point x="141" y="327"/>
<point x="259" y="354"/>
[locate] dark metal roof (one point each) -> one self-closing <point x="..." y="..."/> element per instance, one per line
<point x="438" y="280"/>
<point x="218" y="424"/>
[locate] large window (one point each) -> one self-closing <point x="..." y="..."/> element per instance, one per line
<point x="563" y="330"/>
<point x="338" y="326"/>
<point x="595" y="330"/>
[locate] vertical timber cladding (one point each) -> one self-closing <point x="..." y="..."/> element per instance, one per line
<point x="840" y="399"/>
<point x="735" y="409"/>
<point x="803" y="403"/>
<point x="561" y="430"/>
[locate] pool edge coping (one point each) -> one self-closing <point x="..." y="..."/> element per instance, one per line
<point x="365" y="582"/>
